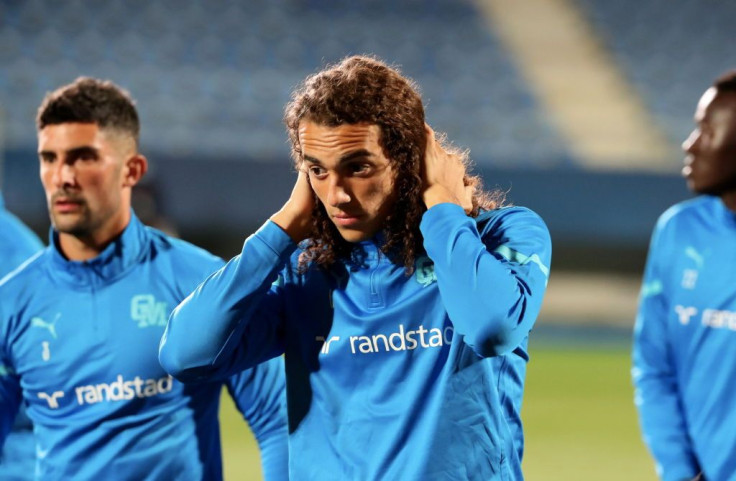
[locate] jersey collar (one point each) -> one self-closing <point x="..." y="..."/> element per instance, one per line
<point x="119" y="257"/>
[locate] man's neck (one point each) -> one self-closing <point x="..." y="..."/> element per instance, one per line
<point x="81" y="249"/>
<point x="85" y="247"/>
<point x="729" y="200"/>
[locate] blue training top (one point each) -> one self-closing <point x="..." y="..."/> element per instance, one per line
<point x="685" y="342"/>
<point x="389" y="375"/>
<point x="79" y="344"/>
<point x="17" y="244"/>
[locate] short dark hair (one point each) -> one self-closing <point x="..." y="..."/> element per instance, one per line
<point x="90" y="100"/>
<point x="363" y="89"/>
<point x="726" y="82"/>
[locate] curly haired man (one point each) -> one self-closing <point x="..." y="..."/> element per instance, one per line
<point x="401" y="294"/>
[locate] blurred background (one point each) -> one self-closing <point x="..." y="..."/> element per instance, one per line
<point x="576" y="108"/>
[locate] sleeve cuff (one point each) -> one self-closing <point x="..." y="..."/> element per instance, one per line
<point x="441" y="218"/>
<point x="275" y="239"/>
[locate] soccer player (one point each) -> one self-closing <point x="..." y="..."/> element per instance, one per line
<point x="400" y="293"/>
<point x="685" y="334"/>
<point x="17" y="244"/>
<point x="80" y="324"/>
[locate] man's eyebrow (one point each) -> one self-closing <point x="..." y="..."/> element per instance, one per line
<point x="75" y="152"/>
<point x="311" y="159"/>
<point x="357" y="154"/>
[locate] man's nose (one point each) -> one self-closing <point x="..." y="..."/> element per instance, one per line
<point x="337" y="194"/>
<point x="690" y="144"/>
<point x="63" y="174"/>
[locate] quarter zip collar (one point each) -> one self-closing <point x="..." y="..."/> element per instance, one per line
<point x="367" y="252"/>
<point x="118" y="258"/>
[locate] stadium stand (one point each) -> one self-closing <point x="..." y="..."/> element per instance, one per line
<point x="212" y="77"/>
<point x="231" y="66"/>
<point x="669" y="50"/>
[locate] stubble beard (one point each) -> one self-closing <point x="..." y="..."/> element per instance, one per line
<point x="78" y="224"/>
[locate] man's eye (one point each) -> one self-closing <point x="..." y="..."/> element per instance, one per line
<point x="87" y="157"/>
<point x="317" y="171"/>
<point x="359" y="168"/>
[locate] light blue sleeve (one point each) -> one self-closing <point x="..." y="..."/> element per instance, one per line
<point x="656" y="395"/>
<point x="10" y="397"/>
<point x="10" y="391"/>
<point x="492" y="284"/>
<point x="18" y="457"/>
<point x="260" y="395"/>
<point x="232" y="320"/>
<point x="17" y="242"/>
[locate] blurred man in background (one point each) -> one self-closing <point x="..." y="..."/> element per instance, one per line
<point x="685" y="335"/>
<point x="401" y="294"/>
<point x="80" y="324"/>
<point x="17" y="244"/>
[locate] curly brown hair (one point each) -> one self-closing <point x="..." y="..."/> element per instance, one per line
<point x="363" y="89"/>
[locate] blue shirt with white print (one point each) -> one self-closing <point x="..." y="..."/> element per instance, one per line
<point x="685" y="342"/>
<point x="79" y="344"/>
<point x="17" y="244"/>
<point x="389" y="375"/>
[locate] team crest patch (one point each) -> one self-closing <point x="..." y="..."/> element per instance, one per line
<point x="424" y="271"/>
<point x="146" y="311"/>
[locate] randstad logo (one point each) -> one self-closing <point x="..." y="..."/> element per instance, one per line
<point x="122" y="390"/>
<point x="402" y="340"/>
<point x="52" y="398"/>
<point x="147" y="312"/>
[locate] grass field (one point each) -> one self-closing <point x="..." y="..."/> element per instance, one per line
<point x="579" y="420"/>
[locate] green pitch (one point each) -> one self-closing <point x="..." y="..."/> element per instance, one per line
<point x="579" y="420"/>
<point x="579" y="417"/>
<point x="239" y="449"/>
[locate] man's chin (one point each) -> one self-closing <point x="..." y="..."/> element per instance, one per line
<point x="353" y="236"/>
<point x="68" y="226"/>
<point x="710" y="188"/>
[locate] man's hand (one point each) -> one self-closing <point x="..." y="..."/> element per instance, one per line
<point x="295" y="217"/>
<point x="443" y="175"/>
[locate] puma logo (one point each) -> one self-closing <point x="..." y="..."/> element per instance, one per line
<point x="49" y="326"/>
<point x="698" y="258"/>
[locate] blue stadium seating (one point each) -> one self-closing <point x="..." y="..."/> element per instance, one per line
<point x="212" y="77"/>
<point x="671" y="50"/>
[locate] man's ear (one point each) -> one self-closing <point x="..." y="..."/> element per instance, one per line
<point x="134" y="170"/>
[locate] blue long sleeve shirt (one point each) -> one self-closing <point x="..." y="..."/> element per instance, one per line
<point x="685" y="342"/>
<point x="17" y="244"/>
<point x="79" y="344"/>
<point x="389" y="375"/>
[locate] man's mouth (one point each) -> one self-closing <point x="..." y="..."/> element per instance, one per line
<point x="345" y="220"/>
<point x="687" y="169"/>
<point x="66" y="204"/>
